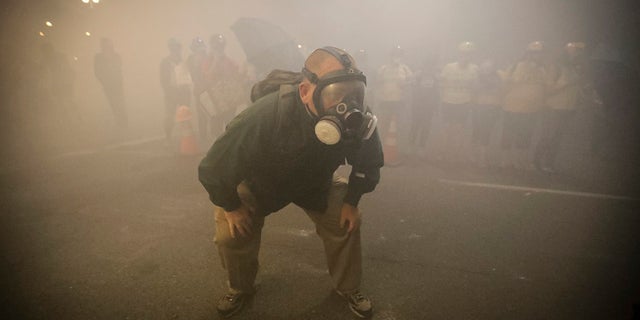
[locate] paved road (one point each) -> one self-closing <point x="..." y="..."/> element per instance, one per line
<point x="126" y="233"/>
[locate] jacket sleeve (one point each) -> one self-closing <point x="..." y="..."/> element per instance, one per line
<point x="365" y="169"/>
<point x="227" y="162"/>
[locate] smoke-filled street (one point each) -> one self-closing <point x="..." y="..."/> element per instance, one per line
<point x="307" y="160"/>
<point x="126" y="233"/>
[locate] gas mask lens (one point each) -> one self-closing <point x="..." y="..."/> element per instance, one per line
<point x="347" y="91"/>
<point x="345" y="116"/>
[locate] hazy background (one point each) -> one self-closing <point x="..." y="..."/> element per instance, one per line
<point x="118" y="226"/>
<point x="140" y="29"/>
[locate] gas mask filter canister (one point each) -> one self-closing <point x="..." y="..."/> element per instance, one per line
<point x="328" y="132"/>
<point x="346" y="123"/>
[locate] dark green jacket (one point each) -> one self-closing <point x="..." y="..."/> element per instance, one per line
<point x="273" y="148"/>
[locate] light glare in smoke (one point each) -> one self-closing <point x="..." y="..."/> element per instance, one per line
<point x="85" y="1"/>
<point x="48" y="24"/>
<point x="41" y="34"/>
<point x="96" y="1"/>
<point x="88" y="34"/>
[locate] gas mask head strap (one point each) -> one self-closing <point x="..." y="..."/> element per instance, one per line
<point x="348" y="73"/>
<point x="340" y="55"/>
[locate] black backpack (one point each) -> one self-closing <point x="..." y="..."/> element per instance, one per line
<point x="273" y="81"/>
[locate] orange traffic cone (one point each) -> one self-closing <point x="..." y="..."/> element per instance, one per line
<point x="391" y="156"/>
<point x="188" y="143"/>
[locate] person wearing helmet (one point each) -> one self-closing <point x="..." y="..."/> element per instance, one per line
<point x="176" y="84"/>
<point x="526" y="84"/>
<point x="225" y="84"/>
<point x="393" y="84"/>
<point x="217" y="43"/>
<point x="564" y="95"/>
<point x="574" y="50"/>
<point x="198" y="63"/>
<point x="220" y="65"/>
<point x="458" y="82"/>
<point x="285" y="148"/>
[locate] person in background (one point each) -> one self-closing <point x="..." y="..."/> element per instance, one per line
<point x="107" y="67"/>
<point x="423" y="105"/>
<point x="616" y="85"/>
<point x="285" y="148"/>
<point x="225" y="84"/>
<point x="564" y="95"/>
<point x="393" y="84"/>
<point x="526" y="84"/>
<point x="486" y="111"/>
<point x="198" y="63"/>
<point x="458" y="82"/>
<point x="362" y="56"/>
<point x="176" y="84"/>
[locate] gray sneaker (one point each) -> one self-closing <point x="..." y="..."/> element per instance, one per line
<point x="358" y="303"/>
<point x="231" y="303"/>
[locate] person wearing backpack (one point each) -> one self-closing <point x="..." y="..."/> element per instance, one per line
<point x="285" y="148"/>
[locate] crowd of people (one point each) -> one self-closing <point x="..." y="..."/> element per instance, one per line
<point x="212" y="84"/>
<point x="208" y="80"/>
<point x="537" y="91"/>
<point x="471" y="96"/>
<point x="524" y="107"/>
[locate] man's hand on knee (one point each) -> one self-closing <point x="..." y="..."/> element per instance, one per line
<point x="239" y="221"/>
<point x="350" y="216"/>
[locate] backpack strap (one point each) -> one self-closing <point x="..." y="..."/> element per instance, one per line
<point x="286" y="91"/>
<point x="286" y="101"/>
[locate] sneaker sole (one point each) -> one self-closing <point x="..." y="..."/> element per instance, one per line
<point x="232" y="313"/>
<point x="359" y="314"/>
<point x="355" y="311"/>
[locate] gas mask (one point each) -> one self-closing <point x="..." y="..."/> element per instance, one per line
<point x="339" y="101"/>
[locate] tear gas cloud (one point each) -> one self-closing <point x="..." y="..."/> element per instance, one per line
<point x="140" y="30"/>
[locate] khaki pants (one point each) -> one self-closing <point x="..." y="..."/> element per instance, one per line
<point x="239" y="256"/>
